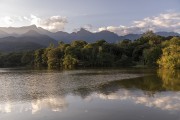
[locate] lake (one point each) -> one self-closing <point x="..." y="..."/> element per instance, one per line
<point x="89" y="94"/>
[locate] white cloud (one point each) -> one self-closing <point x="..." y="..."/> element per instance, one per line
<point x="169" y="21"/>
<point x="13" y="21"/>
<point x="88" y="27"/>
<point x="8" y="20"/>
<point x="164" y="22"/>
<point x="54" y="23"/>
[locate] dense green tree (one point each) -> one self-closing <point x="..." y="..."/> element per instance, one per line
<point x="138" y="52"/>
<point x="124" y="61"/>
<point x="78" y="43"/>
<point x="38" y="59"/>
<point x="45" y="55"/>
<point x="55" y="57"/>
<point x="27" y="58"/>
<point x="100" y="42"/>
<point x="151" y="55"/>
<point x="13" y="60"/>
<point x="69" y="62"/>
<point x="104" y="59"/>
<point x="171" y="54"/>
<point x="147" y="49"/>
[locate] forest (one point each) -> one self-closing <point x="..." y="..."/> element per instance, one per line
<point x="149" y="50"/>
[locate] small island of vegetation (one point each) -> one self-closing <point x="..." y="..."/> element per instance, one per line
<point x="149" y="50"/>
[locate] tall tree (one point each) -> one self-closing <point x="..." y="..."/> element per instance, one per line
<point x="171" y="54"/>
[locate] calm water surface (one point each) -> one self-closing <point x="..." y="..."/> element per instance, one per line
<point x="126" y="94"/>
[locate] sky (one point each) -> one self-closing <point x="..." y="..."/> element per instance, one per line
<point x="119" y="16"/>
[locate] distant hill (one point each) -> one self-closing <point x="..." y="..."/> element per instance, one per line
<point x="130" y="36"/>
<point x="3" y="34"/>
<point x="21" y="30"/>
<point x="35" y="37"/>
<point x="27" y="41"/>
<point x="166" y="34"/>
<point x="32" y="37"/>
<point x="11" y="44"/>
<point x="82" y="34"/>
<point x="92" y="37"/>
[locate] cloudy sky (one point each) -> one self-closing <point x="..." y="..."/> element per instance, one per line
<point x="119" y="16"/>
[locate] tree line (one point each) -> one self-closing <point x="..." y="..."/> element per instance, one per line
<point x="149" y="50"/>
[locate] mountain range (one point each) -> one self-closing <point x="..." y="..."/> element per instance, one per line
<point x="32" y="37"/>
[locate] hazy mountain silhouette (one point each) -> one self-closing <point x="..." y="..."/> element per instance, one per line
<point x="18" y="30"/>
<point x="35" y="37"/>
<point x="166" y="34"/>
<point x="3" y="34"/>
<point x="27" y="41"/>
<point x="17" y="38"/>
<point x="13" y="44"/>
<point x="130" y="36"/>
<point x="90" y="37"/>
<point x="82" y="34"/>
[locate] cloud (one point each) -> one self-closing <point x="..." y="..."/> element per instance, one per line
<point x="8" y="20"/>
<point x="54" y="23"/>
<point x="88" y="27"/>
<point x="164" y="22"/>
<point x="169" y="21"/>
<point x="122" y="30"/>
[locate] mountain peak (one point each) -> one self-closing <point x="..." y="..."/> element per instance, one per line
<point x="32" y="26"/>
<point x="32" y="33"/>
<point x="82" y="30"/>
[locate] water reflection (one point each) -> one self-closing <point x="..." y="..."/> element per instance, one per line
<point x="160" y="91"/>
<point x="170" y="79"/>
<point x="53" y="103"/>
<point x="37" y="91"/>
<point x="163" y="101"/>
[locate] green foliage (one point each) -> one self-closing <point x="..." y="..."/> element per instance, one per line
<point x="171" y="54"/>
<point x="147" y="50"/>
<point x="79" y="43"/>
<point x="38" y="58"/>
<point x="124" y="61"/>
<point x="11" y="60"/>
<point x="54" y="58"/>
<point x="104" y="59"/>
<point x="69" y="62"/>
<point x="151" y="55"/>
<point x="27" y="58"/>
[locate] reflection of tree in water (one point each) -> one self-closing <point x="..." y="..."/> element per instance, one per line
<point x="164" y="81"/>
<point x="170" y="79"/>
<point x="148" y="84"/>
<point x="47" y="86"/>
<point x="83" y="92"/>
